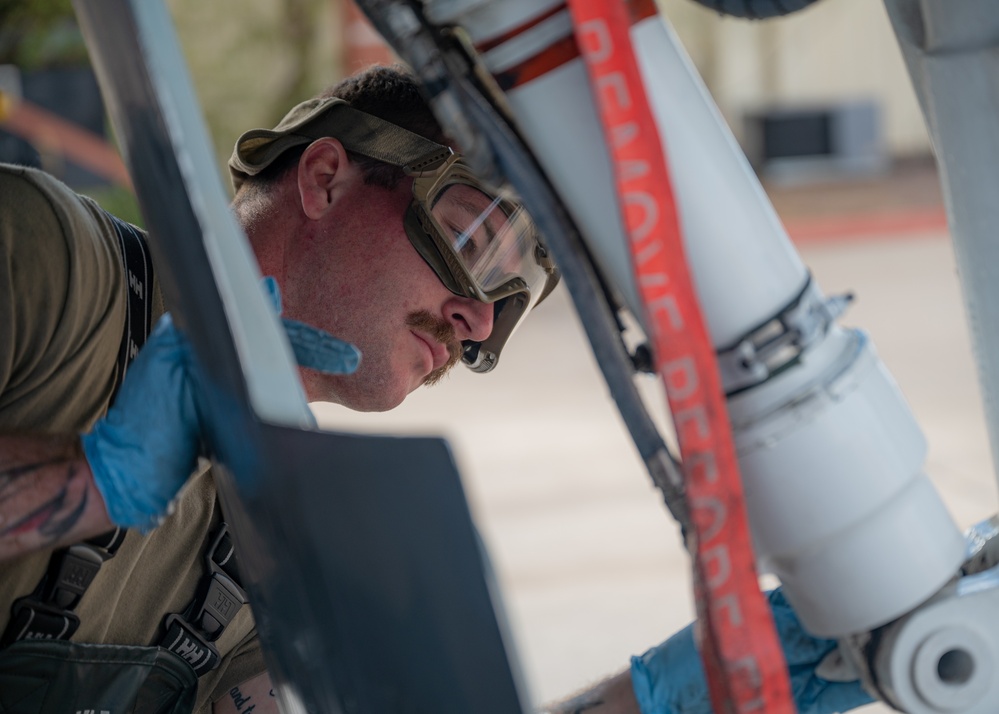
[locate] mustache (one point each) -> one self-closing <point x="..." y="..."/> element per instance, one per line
<point x="442" y="331"/>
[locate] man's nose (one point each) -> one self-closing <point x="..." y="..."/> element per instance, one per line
<point x="471" y="319"/>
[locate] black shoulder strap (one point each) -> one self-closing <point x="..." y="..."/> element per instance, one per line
<point x="137" y="264"/>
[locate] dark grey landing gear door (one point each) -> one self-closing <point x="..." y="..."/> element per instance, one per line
<point x="381" y="600"/>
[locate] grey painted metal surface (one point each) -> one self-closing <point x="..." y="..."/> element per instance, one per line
<point x="368" y="582"/>
<point x="951" y="48"/>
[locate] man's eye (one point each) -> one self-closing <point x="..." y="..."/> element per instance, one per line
<point x="465" y="242"/>
<point x="470" y="249"/>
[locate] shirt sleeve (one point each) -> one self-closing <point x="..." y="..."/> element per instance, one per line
<point x="62" y="305"/>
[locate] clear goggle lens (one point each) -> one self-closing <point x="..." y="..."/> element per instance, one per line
<point x="493" y="238"/>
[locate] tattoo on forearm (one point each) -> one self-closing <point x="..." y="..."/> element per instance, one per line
<point x="59" y="521"/>
<point x="64" y="493"/>
<point x="242" y="703"/>
<point x="12" y="479"/>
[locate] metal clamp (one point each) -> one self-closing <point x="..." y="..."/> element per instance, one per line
<point x="778" y="342"/>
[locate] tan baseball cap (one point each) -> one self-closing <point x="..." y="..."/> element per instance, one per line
<point x="358" y="131"/>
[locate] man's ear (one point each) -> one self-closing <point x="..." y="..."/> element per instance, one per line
<point x="320" y="172"/>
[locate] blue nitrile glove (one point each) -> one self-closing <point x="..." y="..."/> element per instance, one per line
<point x="669" y="679"/>
<point x="143" y="451"/>
<point x="313" y="348"/>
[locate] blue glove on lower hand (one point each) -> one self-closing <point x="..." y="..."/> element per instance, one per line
<point x="148" y="443"/>
<point x="143" y="451"/>
<point x="669" y="679"/>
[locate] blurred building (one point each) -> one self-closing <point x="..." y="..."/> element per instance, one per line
<point x="830" y="78"/>
<point x="68" y="93"/>
<point x="822" y="90"/>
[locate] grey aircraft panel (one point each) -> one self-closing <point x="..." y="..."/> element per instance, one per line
<point x="379" y="603"/>
<point x="951" y="50"/>
<point x="365" y="573"/>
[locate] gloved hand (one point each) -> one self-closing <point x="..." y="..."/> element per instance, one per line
<point x="313" y="348"/>
<point x="147" y="445"/>
<point x="669" y="679"/>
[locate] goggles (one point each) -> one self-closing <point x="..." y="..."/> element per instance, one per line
<point x="482" y="245"/>
<point x="479" y="241"/>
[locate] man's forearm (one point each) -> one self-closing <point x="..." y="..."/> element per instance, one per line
<point x="47" y="494"/>
<point x="612" y="696"/>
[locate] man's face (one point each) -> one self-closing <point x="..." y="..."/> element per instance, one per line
<point x="359" y="278"/>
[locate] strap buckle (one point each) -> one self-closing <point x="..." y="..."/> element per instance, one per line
<point x="220" y="603"/>
<point x="186" y="642"/>
<point x="73" y="569"/>
<point x="47" y="613"/>
<point x="34" y="620"/>
<point x="222" y="596"/>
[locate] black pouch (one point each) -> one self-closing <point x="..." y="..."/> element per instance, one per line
<point x="41" y="676"/>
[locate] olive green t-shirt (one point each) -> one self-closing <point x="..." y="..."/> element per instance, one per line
<point x="62" y="314"/>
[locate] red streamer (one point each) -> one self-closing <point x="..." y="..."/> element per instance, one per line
<point x="742" y="656"/>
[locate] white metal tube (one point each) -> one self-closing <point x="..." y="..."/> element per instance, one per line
<point x="736" y="245"/>
<point x="830" y="455"/>
<point x="840" y="508"/>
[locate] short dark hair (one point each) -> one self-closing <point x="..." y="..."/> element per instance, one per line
<point x="391" y="93"/>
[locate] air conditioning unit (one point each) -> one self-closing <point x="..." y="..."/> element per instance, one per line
<point x="839" y="140"/>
